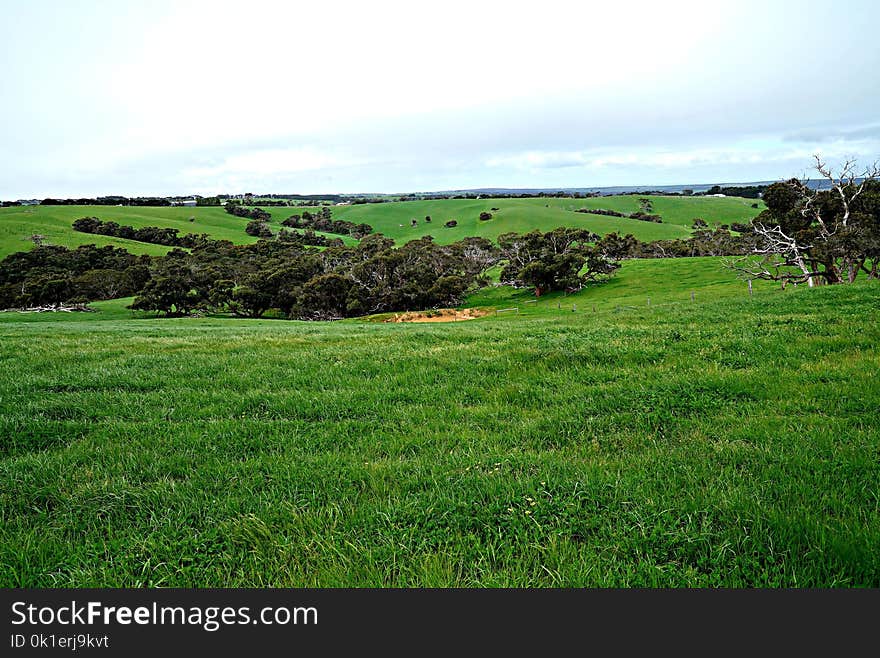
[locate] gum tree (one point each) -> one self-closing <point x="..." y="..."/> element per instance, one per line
<point x="817" y="236"/>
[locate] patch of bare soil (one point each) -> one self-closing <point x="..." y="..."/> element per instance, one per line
<point x="439" y="315"/>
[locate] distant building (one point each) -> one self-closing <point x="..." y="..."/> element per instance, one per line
<point x="184" y="202"/>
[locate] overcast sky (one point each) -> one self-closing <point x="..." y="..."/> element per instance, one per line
<point x="163" y="98"/>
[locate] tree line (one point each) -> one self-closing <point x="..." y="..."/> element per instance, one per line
<point x="305" y="283"/>
<point x="744" y="191"/>
<point x="169" y="237"/>
<point x="52" y="275"/>
<point x="236" y="209"/>
<point x="108" y="201"/>
<point x="294" y="280"/>
<point x="639" y="214"/>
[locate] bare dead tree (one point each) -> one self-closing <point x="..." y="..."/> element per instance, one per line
<point x="776" y="256"/>
<point x="845" y="184"/>
<point x="823" y="247"/>
<point x="848" y="185"/>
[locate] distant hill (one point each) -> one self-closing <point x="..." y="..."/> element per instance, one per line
<point x="698" y="188"/>
<point x="613" y="190"/>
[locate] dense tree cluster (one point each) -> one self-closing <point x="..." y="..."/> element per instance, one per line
<point x="639" y="214"/>
<point x="745" y="191"/>
<point x="646" y="217"/>
<point x="234" y="208"/>
<point x="562" y="259"/>
<point x="108" y="201"/>
<point x="298" y="281"/>
<point x="322" y="221"/>
<point x="717" y="241"/>
<point x="305" y="283"/>
<point x="602" y="211"/>
<point x="312" y="199"/>
<point x="51" y="275"/>
<point x="153" y="234"/>
<point x="309" y="238"/>
<point x="264" y="202"/>
<point x="258" y="228"/>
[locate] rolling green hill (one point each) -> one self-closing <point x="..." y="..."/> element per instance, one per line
<point x="520" y="215"/>
<point x="683" y="210"/>
<point x="638" y="283"/>
<point x="17" y="223"/>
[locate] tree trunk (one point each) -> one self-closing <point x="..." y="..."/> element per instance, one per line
<point x="803" y="268"/>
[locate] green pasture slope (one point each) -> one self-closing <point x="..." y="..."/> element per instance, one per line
<point x="639" y="283"/>
<point x="521" y="215"/>
<point x="18" y="223"/>
<point x="725" y="441"/>
<point x="682" y="210"/>
<point x="54" y="222"/>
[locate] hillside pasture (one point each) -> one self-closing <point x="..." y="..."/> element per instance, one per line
<point x="54" y="222"/>
<point x="727" y="442"/>
<point x="393" y="219"/>
<point x="513" y="215"/>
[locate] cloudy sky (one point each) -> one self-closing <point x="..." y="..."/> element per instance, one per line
<point x="144" y="98"/>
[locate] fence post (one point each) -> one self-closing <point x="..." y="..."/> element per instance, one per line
<point x="750" y="287"/>
<point x="692" y="295"/>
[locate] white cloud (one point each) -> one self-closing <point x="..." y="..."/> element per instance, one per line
<point x="273" y="162"/>
<point x="686" y="158"/>
<point x="169" y="96"/>
<point x="267" y="169"/>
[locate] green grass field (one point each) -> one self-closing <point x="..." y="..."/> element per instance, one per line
<point x="17" y="224"/>
<point x="725" y="441"/>
<point x="519" y="215"/>
<point x="639" y="283"/>
<point x="682" y="210"/>
<point x="54" y="222"/>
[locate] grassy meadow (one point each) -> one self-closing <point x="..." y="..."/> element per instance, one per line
<point x="662" y="429"/>
<point x="519" y="215"/>
<point x="725" y="441"/>
<point x="17" y="224"/>
<point x="54" y="222"/>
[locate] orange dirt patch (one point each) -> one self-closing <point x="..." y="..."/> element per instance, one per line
<point x="439" y="315"/>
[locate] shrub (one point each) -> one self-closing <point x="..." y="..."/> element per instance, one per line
<point x="258" y="228"/>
